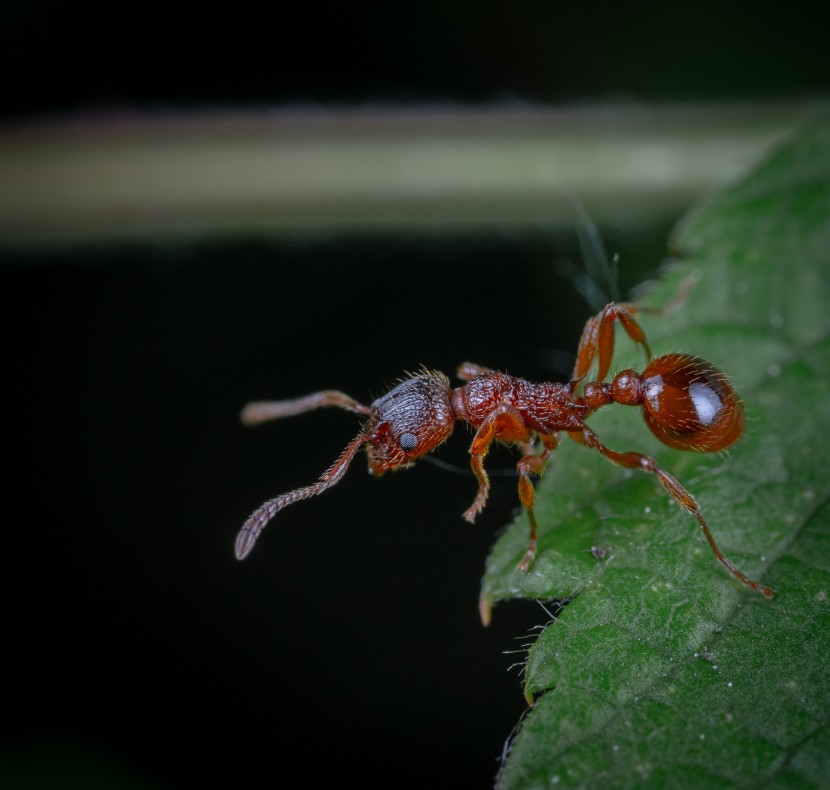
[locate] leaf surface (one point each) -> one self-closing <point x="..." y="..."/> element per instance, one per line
<point x="662" y="669"/>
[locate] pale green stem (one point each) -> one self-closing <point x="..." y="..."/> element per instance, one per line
<point x="373" y="170"/>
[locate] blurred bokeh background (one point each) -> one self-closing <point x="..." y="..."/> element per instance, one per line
<point x="145" y="301"/>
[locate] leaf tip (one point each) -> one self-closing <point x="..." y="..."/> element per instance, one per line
<point x="485" y="610"/>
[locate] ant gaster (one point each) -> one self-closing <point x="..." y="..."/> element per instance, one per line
<point x="686" y="402"/>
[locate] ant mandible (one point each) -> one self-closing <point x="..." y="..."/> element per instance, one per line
<point x="686" y="402"/>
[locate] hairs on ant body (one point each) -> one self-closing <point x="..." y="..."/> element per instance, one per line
<point x="686" y="402"/>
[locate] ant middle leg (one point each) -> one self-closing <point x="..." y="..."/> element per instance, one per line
<point x="532" y="464"/>
<point x="634" y="460"/>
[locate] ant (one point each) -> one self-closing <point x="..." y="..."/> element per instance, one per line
<point x="686" y="402"/>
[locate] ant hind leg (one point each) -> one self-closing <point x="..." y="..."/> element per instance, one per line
<point x="598" y="335"/>
<point x="598" y="339"/>
<point x="634" y="460"/>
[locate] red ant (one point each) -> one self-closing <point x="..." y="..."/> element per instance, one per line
<point x="687" y="404"/>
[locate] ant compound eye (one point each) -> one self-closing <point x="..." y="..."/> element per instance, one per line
<point x="408" y="442"/>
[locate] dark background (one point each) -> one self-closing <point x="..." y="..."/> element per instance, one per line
<point x="75" y="56"/>
<point x="347" y="647"/>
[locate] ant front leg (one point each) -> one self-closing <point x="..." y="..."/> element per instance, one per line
<point x="504" y="423"/>
<point x="633" y="460"/>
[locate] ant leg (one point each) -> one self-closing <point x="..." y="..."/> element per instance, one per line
<point x="598" y="335"/>
<point x="469" y="370"/>
<point x="674" y="303"/>
<point x="633" y="460"/>
<point x="262" y="411"/>
<point x="504" y="423"/>
<point x="598" y="339"/>
<point x="527" y="465"/>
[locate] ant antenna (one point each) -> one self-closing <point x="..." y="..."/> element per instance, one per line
<point x="257" y="521"/>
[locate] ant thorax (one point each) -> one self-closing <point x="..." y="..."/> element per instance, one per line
<point x="546" y="407"/>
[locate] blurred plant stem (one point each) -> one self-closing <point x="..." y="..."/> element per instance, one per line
<point x="261" y="172"/>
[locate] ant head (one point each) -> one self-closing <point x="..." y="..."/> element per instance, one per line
<point x="409" y="421"/>
<point x="690" y="405"/>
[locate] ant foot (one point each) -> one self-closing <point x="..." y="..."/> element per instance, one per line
<point x="528" y="558"/>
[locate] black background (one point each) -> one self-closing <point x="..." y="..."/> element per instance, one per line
<point x="68" y="56"/>
<point x="347" y="647"/>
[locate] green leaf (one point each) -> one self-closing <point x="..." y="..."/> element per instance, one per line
<point x="663" y="669"/>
